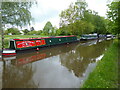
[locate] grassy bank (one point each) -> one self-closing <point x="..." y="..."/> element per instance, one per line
<point x="105" y="75"/>
<point x="22" y="36"/>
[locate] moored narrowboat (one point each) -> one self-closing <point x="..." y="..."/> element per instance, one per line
<point x="33" y="43"/>
<point x="89" y="37"/>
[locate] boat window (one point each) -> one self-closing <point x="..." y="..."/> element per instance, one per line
<point x="59" y="39"/>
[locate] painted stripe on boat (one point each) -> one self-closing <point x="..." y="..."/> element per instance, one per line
<point x="8" y="53"/>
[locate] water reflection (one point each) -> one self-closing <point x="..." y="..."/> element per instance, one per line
<point x="23" y="58"/>
<point x="65" y="66"/>
<point x="78" y="60"/>
<point x="15" y="77"/>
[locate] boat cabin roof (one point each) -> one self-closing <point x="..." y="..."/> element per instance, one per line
<point x="88" y="35"/>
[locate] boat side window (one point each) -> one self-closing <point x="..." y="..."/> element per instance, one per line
<point x="59" y="39"/>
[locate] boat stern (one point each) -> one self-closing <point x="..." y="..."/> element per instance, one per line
<point x="8" y="52"/>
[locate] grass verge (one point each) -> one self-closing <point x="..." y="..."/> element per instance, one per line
<point x="105" y="75"/>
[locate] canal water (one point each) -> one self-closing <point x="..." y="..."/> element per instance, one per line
<point x="63" y="66"/>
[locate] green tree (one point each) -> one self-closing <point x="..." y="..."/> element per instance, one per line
<point x="80" y="8"/>
<point x="81" y="27"/>
<point x="60" y="31"/>
<point x="73" y="13"/>
<point x="34" y="32"/>
<point x="40" y="32"/>
<point x="25" y="31"/>
<point x="16" y="13"/>
<point x="47" y="28"/>
<point x="97" y="21"/>
<point x="6" y="32"/>
<point x="13" y="31"/>
<point x="32" y="29"/>
<point x="54" y="31"/>
<point x="89" y="16"/>
<point x="76" y="19"/>
<point x="113" y="15"/>
<point x="99" y="24"/>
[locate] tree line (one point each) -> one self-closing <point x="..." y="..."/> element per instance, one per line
<point x="76" y="20"/>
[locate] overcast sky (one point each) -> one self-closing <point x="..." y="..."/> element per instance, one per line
<point x="49" y="10"/>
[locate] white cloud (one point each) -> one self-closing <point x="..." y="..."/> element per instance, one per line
<point x="55" y="4"/>
<point x="49" y="10"/>
<point x="98" y="5"/>
<point x="40" y="25"/>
